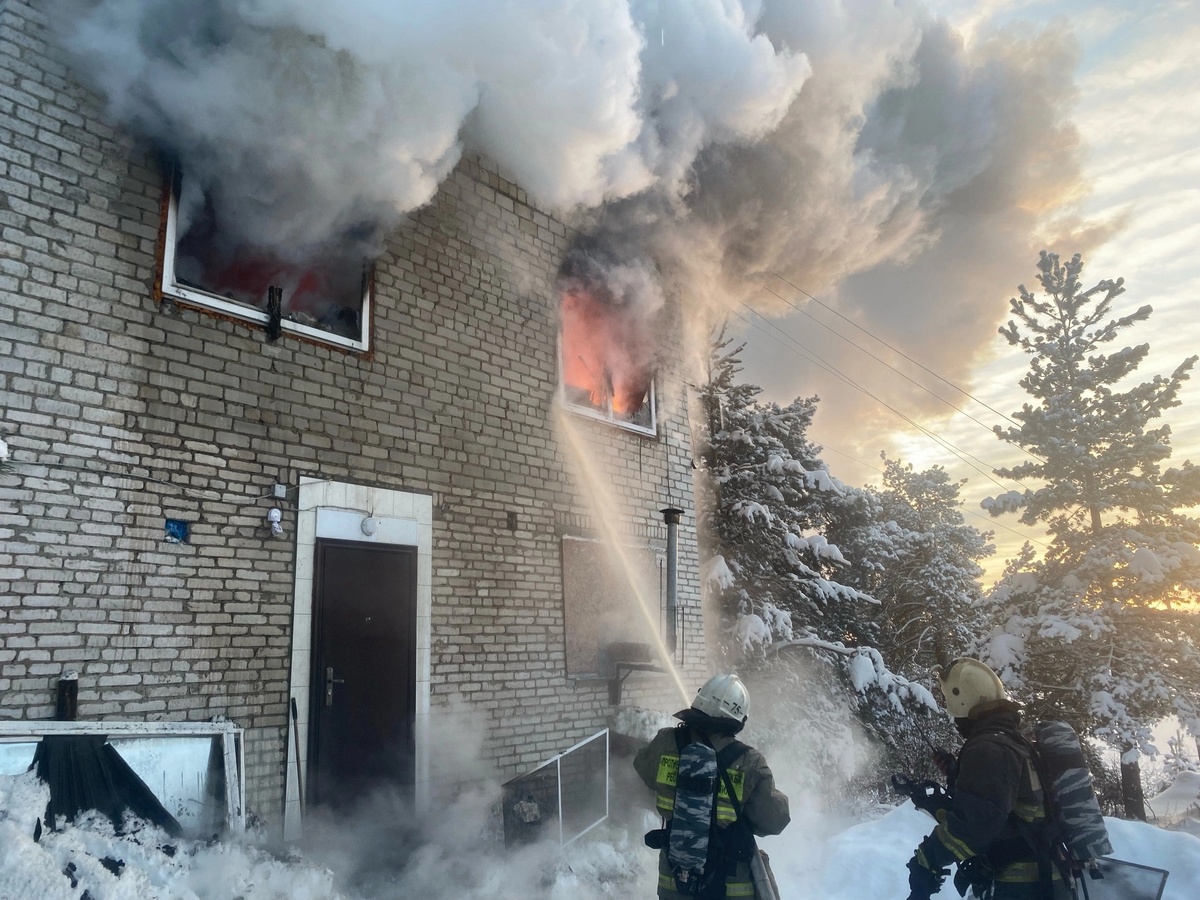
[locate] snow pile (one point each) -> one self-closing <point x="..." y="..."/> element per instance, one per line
<point x="816" y="544"/>
<point x="868" y="860"/>
<point x="717" y="572"/>
<point x="143" y="864"/>
<point x="385" y="855"/>
<point x="817" y="856"/>
<point x="868" y="671"/>
<point x="751" y="630"/>
<point x="1009" y="501"/>
<point x="1146" y="565"/>
<point x="1178" y="802"/>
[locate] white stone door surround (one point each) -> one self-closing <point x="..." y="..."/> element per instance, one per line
<point x="335" y="510"/>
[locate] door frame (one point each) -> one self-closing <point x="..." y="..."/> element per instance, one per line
<point x="336" y="510"/>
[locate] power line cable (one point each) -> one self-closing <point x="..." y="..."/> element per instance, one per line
<point x="826" y="447"/>
<point x="961" y="454"/>
<point x="884" y="362"/>
<point x="896" y="350"/>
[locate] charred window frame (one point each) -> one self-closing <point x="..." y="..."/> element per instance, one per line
<point x="588" y="386"/>
<point x="350" y="328"/>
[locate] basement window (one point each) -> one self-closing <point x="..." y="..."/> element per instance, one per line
<point x="325" y="298"/>
<point x="604" y="370"/>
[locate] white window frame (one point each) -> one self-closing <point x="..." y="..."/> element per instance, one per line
<point x="606" y="414"/>
<point x="233" y="747"/>
<point x="196" y="297"/>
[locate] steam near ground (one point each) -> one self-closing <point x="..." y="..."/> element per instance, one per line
<point x="387" y="852"/>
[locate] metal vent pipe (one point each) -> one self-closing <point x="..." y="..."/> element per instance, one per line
<point x="671" y="516"/>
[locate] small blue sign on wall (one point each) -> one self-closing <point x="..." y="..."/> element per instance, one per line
<point x="176" y="531"/>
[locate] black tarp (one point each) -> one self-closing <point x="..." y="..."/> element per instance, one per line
<point x="85" y="772"/>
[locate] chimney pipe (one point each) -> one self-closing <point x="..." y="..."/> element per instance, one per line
<point x="671" y="516"/>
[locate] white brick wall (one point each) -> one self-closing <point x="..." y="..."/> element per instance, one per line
<point x="120" y="414"/>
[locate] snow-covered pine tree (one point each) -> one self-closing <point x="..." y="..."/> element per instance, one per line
<point x="770" y="500"/>
<point x="912" y="550"/>
<point x="1103" y="629"/>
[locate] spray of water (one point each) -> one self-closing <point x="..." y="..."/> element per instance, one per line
<point x="604" y="503"/>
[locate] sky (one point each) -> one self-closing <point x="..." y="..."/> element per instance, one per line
<point x="1133" y="98"/>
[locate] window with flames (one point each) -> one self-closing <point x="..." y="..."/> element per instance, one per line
<point x="606" y="368"/>
<point x="324" y="297"/>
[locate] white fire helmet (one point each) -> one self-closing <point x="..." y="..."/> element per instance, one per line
<point x="723" y="696"/>
<point x="966" y="683"/>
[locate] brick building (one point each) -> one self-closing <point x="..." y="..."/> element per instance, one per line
<point x="414" y="450"/>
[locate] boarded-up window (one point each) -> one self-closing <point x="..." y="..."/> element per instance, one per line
<point x="601" y="608"/>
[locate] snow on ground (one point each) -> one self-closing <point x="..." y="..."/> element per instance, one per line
<point x="818" y="856"/>
<point x="1177" y="802"/>
<point x="867" y="861"/>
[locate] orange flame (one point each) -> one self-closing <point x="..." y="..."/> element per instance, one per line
<point x="605" y="355"/>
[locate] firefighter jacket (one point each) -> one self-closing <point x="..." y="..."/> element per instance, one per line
<point x="765" y="808"/>
<point x="996" y="810"/>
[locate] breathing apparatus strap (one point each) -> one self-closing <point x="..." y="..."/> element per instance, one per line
<point x="725" y="758"/>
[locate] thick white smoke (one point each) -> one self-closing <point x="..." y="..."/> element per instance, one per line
<point x="306" y="120"/>
<point x="862" y="150"/>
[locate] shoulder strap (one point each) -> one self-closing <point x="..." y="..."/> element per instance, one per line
<point x="743" y="845"/>
<point x="1051" y="850"/>
<point x="730" y="754"/>
<point x="681" y="733"/>
<point x="727" y="757"/>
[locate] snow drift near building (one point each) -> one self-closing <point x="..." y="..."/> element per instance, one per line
<point x="815" y="857"/>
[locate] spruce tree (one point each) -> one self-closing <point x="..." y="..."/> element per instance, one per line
<point x="912" y="550"/>
<point x="1102" y="629"/>
<point x="786" y="611"/>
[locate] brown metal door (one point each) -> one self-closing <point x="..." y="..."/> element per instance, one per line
<point x="364" y="671"/>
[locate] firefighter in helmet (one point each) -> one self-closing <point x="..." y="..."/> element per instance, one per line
<point x="702" y="775"/>
<point x="996" y="813"/>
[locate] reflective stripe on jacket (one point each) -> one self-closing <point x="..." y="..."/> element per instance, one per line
<point x="664" y="784"/>
<point x="997" y="802"/>
<point x="765" y="808"/>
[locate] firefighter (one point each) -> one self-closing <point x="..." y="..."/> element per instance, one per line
<point x="993" y="823"/>
<point x="705" y="736"/>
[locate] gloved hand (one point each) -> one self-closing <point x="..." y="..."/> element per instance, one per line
<point x="976" y="872"/>
<point x="923" y="883"/>
<point x="932" y="798"/>
<point x="926" y="795"/>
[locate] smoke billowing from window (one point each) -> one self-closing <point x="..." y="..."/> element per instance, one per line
<point x="862" y="149"/>
<point x="306" y="121"/>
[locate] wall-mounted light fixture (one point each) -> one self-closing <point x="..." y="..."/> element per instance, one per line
<point x="369" y="526"/>
<point x="275" y="521"/>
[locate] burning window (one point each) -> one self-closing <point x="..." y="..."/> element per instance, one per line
<point x="607" y="351"/>
<point x="324" y="296"/>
